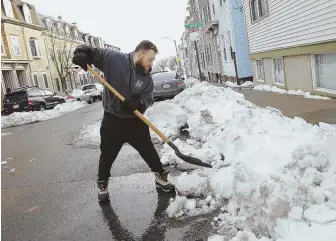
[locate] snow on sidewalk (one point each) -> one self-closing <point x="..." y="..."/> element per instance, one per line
<point x="290" y="92"/>
<point x="278" y="179"/>
<point x="21" y="118"/>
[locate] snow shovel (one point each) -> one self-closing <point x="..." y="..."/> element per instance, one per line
<point x="185" y="158"/>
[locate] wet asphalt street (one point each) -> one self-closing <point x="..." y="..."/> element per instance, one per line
<point x="51" y="194"/>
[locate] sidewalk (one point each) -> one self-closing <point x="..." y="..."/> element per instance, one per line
<point x="313" y="111"/>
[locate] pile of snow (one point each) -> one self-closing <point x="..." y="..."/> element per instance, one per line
<point x="278" y="179"/>
<point x="21" y="118"/>
<point x="234" y="85"/>
<point x="190" y="82"/>
<point x="298" y="92"/>
<point x="89" y="136"/>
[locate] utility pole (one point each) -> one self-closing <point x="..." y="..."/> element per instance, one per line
<point x="198" y="63"/>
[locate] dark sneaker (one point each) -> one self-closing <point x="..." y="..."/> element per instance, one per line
<point x="162" y="182"/>
<point x="103" y="194"/>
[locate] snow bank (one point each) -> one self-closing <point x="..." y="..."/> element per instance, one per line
<point x="89" y="136"/>
<point x="278" y="178"/>
<point x="290" y="92"/>
<point x="190" y="82"/>
<point x="21" y="118"/>
<point x="245" y="84"/>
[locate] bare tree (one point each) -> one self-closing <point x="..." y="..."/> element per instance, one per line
<point x="169" y="63"/>
<point x="162" y="64"/>
<point x="61" y="55"/>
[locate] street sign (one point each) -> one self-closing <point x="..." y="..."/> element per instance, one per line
<point x="193" y="25"/>
<point x="194" y="36"/>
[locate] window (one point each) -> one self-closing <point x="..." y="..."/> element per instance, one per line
<point x="40" y="92"/>
<point x="2" y="49"/>
<point x="213" y="9"/>
<point x="8" y="8"/>
<point x="35" y="81"/>
<point x="33" y="92"/>
<point x="45" y="80"/>
<point x="15" y="45"/>
<point x="258" y="9"/>
<point x="58" y="84"/>
<point x="210" y="54"/>
<point x="48" y="92"/>
<point x="26" y="13"/>
<point x="223" y="46"/>
<point x="35" y="48"/>
<point x="278" y="71"/>
<point x="220" y="2"/>
<point x="260" y="70"/>
<point x="229" y="43"/>
<point x="324" y="66"/>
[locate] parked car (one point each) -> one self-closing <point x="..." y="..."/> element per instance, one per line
<point x="30" y="99"/>
<point x="167" y="84"/>
<point x="96" y="90"/>
<point x="79" y="95"/>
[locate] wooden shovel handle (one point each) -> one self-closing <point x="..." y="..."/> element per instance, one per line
<point x="138" y="114"/>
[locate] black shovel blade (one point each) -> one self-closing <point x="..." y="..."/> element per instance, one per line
<point x="189" y="159"/>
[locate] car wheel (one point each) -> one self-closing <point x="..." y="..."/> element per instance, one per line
<point x="42" y="108"/>
<point x="78" y="99"/>
<point x="61" y="101"/>
<point x="90" y="100"/>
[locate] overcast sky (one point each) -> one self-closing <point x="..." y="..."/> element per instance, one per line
<point x="123" y="23"/>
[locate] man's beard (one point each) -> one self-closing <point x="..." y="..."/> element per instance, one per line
<point x="139" y="66"/>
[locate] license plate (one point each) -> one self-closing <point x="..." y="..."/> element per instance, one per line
<point x="15" y="106"/>
<point x="166" y="86"/>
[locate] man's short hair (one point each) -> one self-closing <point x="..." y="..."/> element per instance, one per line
<point x="146" y="45"/>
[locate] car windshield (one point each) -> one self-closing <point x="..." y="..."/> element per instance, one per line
<point x="89" y="87"/>
<point x="16" y="96"/>
<point x="164" y="76"/>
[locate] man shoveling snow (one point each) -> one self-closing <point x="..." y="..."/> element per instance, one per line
<point x="130" y="76"/>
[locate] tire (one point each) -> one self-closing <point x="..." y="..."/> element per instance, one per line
<point x="78" y="99"/>
<point x="90" y="100"/>
<point x="42" y="108"/>
<point x="62" y="101"/>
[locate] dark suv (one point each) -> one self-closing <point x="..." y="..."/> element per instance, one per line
<point x="30" y="99"/>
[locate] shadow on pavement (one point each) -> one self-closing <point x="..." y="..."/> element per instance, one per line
<point x="156" y="230"/>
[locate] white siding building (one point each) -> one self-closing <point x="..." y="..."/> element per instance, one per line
<point x="233" y="40"/>
<point x="293" y="43"/>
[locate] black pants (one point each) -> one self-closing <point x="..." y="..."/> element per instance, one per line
<point x="114" y="132"/>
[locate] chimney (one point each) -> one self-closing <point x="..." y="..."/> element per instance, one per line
<point x="74" y="24"/>
<point x="60" y="18"/>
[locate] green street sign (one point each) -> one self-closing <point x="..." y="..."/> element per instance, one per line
<point x="193" y="25"/>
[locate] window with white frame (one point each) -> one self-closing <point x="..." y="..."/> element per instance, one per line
<point x="258" y="9"/>
<point x="2" y="49"/>
<point x="278" y="70"/>
<point x="45" y="80"/>
<point x="15" y="45"/>
<point x="325" y="65"/>
<point x="260" y="70"/>
<point x="35" y="48"/>
<point x="26" y="13"/>
<point x="8" y="8"/>
<point x="35" y="80"/>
